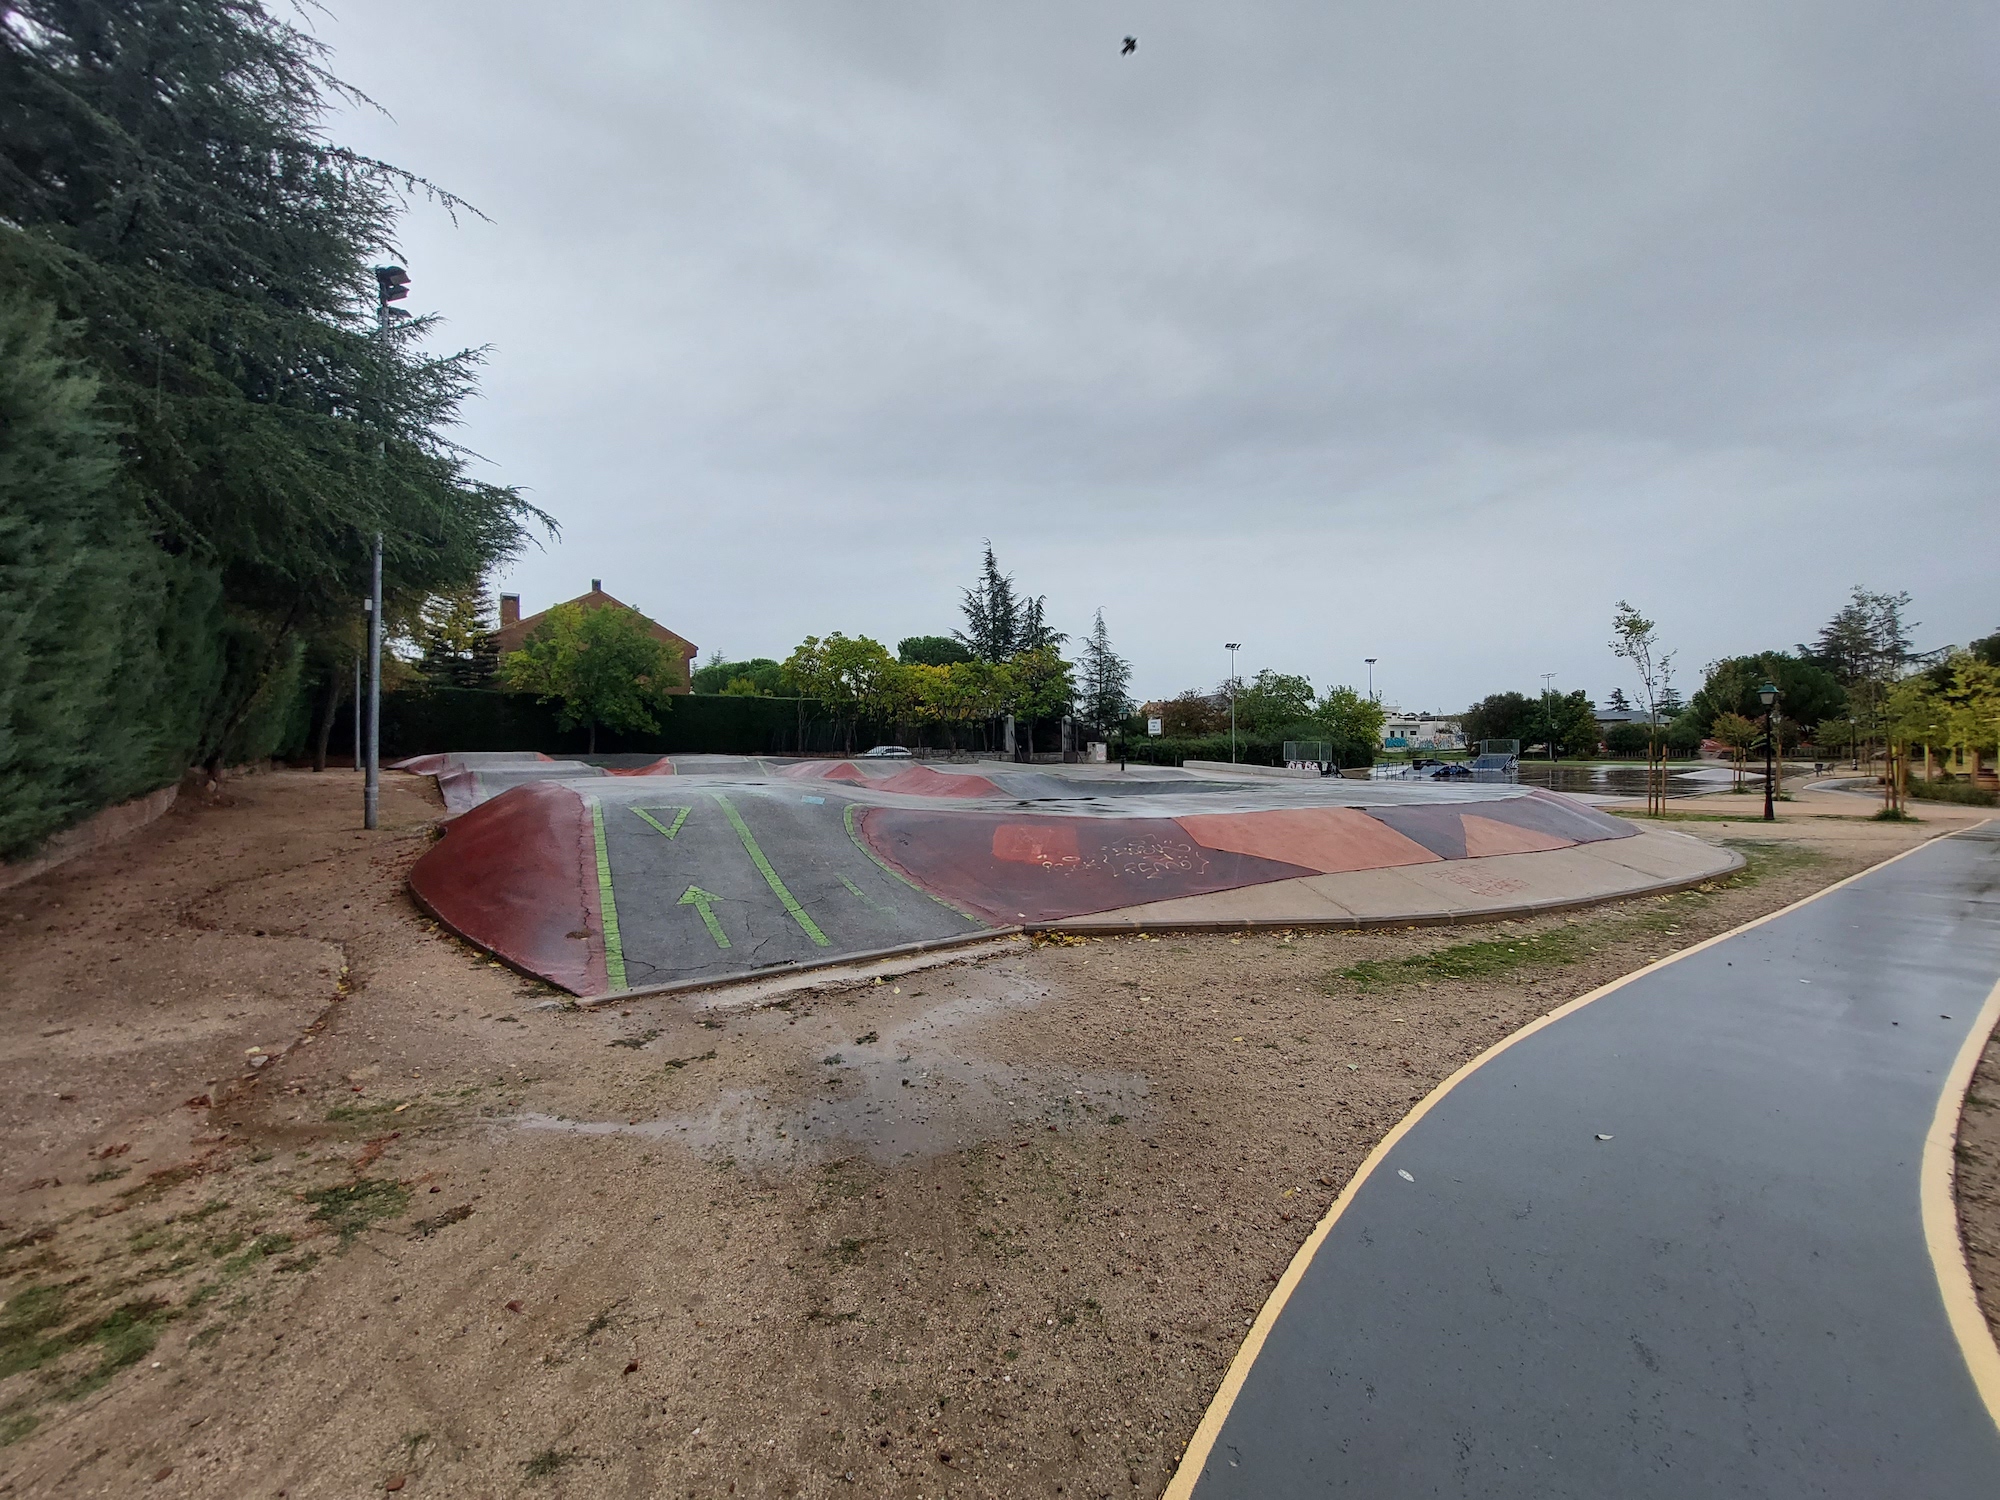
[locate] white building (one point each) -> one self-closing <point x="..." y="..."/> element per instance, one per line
<point x="1407" y="731"/>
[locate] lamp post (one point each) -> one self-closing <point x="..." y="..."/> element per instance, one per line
<point x="1232" y="647"/>
<point x="1548" y="719"/>
<point x="1769" y="694"/>
<point x="1371" y="677"/>
<point x="392" y="284"/>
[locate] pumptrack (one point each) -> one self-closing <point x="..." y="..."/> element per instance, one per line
<point x="707" y="868"/>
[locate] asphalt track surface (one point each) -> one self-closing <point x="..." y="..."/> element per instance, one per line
<point x="1671" y="1244"/>
<point x="712" y="881"/>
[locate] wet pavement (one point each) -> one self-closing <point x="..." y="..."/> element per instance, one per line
<point x="1676" y="1242"/>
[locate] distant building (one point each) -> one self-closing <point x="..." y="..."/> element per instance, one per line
<point x="513" y="633"/>
<point x="1406" y="731"/>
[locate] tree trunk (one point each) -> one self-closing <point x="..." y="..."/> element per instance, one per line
<point x="335" y="686"/>
<point x="593" y="738"/>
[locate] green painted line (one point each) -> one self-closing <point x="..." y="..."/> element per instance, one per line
<point x="669" y="832"/>
<point x="865" y="899"/>
<point x="607" y="904"/>
<point x="889" y="869"/>
<point x="770" y="875"/>
<point x="701" y="900"/>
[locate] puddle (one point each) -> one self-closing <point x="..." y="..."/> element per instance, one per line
<point x="913" y="1091"/>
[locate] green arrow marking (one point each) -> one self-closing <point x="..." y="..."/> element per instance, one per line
<point x="700" y="900"/>
<point x="764" y="868"/>
<point x="681" y="816"/>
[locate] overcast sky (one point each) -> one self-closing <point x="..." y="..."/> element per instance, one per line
<point x="1417" y="331"/>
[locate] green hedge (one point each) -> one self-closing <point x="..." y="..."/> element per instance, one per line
<point x="1252" y="750"/>
<point x="1963" y="792"/>
<point x="421" y="722"/>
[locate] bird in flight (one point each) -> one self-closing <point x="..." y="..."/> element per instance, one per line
<point x="1131" y="46"/>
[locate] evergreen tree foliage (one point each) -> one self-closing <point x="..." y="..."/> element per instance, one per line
<point x="111" y="651"/>
<point x="167" y="189"/>
<point x="1809" y="692"/>
<point x="1104" y="680"/>
<point x="456" y="638"/>
<point x="992" y="614"/>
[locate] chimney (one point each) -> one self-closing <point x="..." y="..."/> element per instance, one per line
<point x="510" y="610"/>
<point x="597" y="585"/>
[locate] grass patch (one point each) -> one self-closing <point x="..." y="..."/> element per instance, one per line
<point x="1484" y="960"/>
<point x="549" y="1461"/>
<point x="635" y="1042"/>
<point x="38" y="1327"/>
<point x="681" y="1062"/>
<point x="344" y="1114"/>
<point x="263" y="1248"/>
<point x="424" y="1228"/>
<point x="351" y="1207"/>
<point x="1494" y="958"/>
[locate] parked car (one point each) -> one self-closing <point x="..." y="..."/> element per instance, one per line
<point x="886" y="752"/>
<point x="1451" y="770"/>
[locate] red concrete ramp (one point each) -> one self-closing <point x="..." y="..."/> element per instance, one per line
<point x="1038" y="869"/>
<point x="518" y="876"/>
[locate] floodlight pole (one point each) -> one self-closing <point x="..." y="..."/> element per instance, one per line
<point x="372" y="790"/>
<point x="1371" y="677"/>
<point x="1232" y="647"/>
<point x="1769" y="693"/>
<point x="1548" y="720"/>
<point x="392" y="284"/>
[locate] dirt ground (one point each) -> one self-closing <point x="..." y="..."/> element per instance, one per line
<point x="304" y="1198"/>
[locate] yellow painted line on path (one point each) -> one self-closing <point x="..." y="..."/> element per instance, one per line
<point x="1188" y="1474"/>
<point x="1940" y="1210"/>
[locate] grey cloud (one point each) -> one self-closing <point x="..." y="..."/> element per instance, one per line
<point x="1413" y="330"/>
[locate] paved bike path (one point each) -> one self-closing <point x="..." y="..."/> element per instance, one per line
<point x="1733" y="1295"/>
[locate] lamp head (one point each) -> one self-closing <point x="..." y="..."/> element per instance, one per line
<point x="1769" y="693"/>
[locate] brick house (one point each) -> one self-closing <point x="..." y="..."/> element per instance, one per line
<point x="513" y="632"/>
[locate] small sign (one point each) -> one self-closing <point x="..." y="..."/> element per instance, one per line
<point x="1154" y="726"/>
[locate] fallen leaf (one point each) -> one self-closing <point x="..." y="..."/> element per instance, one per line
<point x="631" y="1366"/>
<point x="395" y="1483"/>
<point x="513" y="1307"/>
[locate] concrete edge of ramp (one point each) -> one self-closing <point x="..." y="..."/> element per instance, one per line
<point x="787" y="978"/>
<point x="1307" y="910"/>
<point x="1940" y="1220"/>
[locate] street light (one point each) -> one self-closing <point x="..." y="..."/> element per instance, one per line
<point x="1769" y="693"/>
<point x="392" y="284"/>
<point x="1548" y="719"/>
<point x="1232" y="647"/>
<point x="1371" y="677"/>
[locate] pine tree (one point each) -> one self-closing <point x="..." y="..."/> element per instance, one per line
<point x="166" y="186"/>
<point x="992" y="614"/>
<point x="1106" y="678"/>
<point x="456" y="639"/>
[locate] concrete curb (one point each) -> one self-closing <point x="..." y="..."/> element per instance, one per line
<point x="797" y="976"/>
<point x="1085" y="927"/>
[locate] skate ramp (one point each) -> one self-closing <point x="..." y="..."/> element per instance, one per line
<point x="730" y="866"/>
